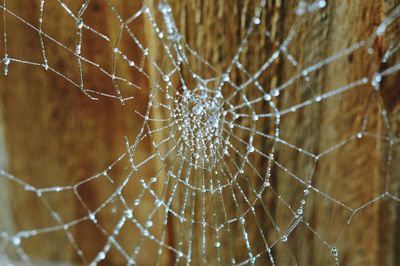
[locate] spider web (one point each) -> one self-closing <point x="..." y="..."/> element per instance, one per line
<point x="209" y="134"/>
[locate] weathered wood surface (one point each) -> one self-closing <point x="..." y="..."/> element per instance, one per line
<point x="57" y="136"/>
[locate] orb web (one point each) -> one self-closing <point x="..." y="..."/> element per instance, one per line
<point x="209" y="133"/>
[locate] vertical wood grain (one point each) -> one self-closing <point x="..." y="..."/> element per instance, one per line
<point x="55" y="134"/>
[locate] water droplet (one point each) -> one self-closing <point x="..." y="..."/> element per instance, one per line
<point x="164" y="7"/>
<point x="275" y="92"/>
<point x="128" y="213"/>
<point x="284" y="238"/>
<point x="301" y="8"/>
<point x="197" y="109"/>
<point x="6" y="60"/>
<point x="267" y="97"/>
<point x="186" y="94"/>
<point x="101" y="255"/>
<point x="78" y="49"/>
<point x="257" y="21"/>
<point x="149" y="224"/>
<point x="250" y="148"/>
<point x="381" y="29"/>
<point x="92" y="216"/>
<point x="225" y="78"/>
<point x="218" y="94"/>
<point x="213" y="120"/>
<point x="79" y="23"/>
<point x="16" y="241"/>
<point x="145" y="233"/>
<point x="334" y="251"/>
<point x="217" y="244"/>
<point x="29" y="188"/>
<point x="376" y="80"/>
<point x="158" y="202"/>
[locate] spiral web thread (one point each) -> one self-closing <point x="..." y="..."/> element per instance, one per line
<point x="198" y="143"/>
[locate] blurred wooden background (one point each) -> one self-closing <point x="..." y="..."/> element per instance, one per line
<point x="55" y="135"/>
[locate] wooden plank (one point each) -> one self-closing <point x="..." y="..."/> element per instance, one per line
<point x="352" y="174"/>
